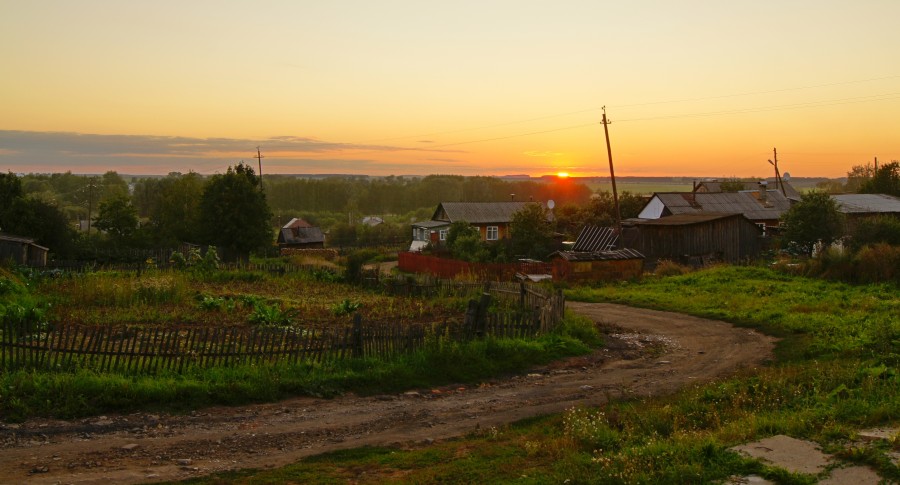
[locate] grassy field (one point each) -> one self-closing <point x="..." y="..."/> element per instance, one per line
<point x="240" y="298"/>
<point x="836" y="372"/>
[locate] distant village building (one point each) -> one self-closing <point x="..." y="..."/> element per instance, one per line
<point x="300" y="234"/>
<point x="371" y="221"/>
<point x="856" y="206"/>
<point x="779" y="185"/>
<point x="22" y="251"/>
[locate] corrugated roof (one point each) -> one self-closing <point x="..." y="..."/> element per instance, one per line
<point x="478" y="212"/>
<point x="867" y="203"/>
<point x="617" y="254"/>
<point x="595" y="238"/>
<point x="747" y="203"/>
<point x="17" y="239"/>
<point x="789" y="191"/>
<point x="681" y="219"/>
<point x="430" y="224"/>
<point x="301" y="235"/>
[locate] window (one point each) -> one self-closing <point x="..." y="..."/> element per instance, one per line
<point x="443" y="234"/>
<point x="493" y="233"/>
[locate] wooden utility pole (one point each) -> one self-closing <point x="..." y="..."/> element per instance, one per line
<point x="612" y="173"/>
<point x="259" y="158"/>
<point x="777" y="173"/>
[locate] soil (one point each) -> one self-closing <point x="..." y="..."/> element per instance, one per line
<point x="648" y="353"/>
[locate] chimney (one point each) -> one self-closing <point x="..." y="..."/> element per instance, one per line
<point x="763" y="196"/>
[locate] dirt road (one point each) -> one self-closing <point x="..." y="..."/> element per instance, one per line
<point x="648" y="353"/>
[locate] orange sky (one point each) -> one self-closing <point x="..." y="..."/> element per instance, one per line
<point x="412" y="87"/>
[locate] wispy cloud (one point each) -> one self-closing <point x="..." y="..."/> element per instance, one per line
<point x="52" y="151"/>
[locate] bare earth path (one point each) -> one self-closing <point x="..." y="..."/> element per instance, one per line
<point x="648" y="353"/>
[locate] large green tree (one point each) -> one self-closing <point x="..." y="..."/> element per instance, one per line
<point x="118" y="218"/>
<point x="815" y="219"/>
<point x="234" y="215"/>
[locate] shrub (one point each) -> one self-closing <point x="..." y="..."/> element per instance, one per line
<point x="671" y="268"/>
<point x="877" y="263"/>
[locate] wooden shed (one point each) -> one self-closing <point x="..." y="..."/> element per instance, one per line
<point x="588" y="267"/>
<point x="300" y="234"/>
<point x="22" y="250"/>
<point x="694" y="239"/>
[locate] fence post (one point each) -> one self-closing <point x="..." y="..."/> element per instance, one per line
<point x="522" y="294"/>
<point x="470" y="325"/>
<point x="357" y="336"/>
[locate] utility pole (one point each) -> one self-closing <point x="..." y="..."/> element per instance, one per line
<point x="612" y="173"/>
<point x="777" y="173"/>
<point x="259" y="158"/>
<point x="90" y="203"/>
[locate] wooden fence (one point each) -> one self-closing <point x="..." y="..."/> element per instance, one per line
<point x="153" y="350"/>
<point x="452" y="268"/>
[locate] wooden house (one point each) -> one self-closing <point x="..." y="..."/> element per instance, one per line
<point x="300" y="234"/>
<point x="762" y="207"/>
<point x="492" y="219"/>
<point x="694" y="239"/>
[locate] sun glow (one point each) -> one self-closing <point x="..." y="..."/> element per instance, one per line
<point x="562" y="175"/>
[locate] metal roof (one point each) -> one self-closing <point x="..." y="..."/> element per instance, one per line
<point x="595" y="238"/>
<point x="478" y="212"/>
<point x="430" y="224"/>
<point x="716" y="186"/>
<point x="301" y="235"/>
<point x="746" y="203"/>
<point x="681" y="219"/>
<point x="618" y="254"/>
<point x="867" y="203"/>
<point x="295" y="223"/>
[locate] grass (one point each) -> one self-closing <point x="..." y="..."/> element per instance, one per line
<point x="837" y="372"/>
<point x="27" y="393"/>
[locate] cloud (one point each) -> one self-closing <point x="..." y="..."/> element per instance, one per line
<point x="56" y="151"/>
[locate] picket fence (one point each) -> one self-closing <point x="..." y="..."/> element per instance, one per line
<point x="154" y="350"/>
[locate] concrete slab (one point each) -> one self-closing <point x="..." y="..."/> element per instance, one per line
<point x="791" y="454"/>
<point x="879" y="434"/>
<point x="748" y="480"/>
<point x="857" y="475"/>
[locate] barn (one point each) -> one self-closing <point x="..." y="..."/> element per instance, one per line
<point x="22" y="250"/>
<point x="694" y="239"/>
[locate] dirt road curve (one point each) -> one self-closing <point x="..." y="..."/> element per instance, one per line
<point x="648" y="353"/>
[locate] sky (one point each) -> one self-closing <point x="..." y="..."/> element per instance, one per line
<point x="417" y="87"/>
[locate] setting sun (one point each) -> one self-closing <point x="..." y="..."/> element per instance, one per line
<point x="562" y="175"/>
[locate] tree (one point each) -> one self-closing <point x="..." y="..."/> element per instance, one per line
<point x="885" y="181"/>
<point x="234" y="215"/>
<point x="530" y="233"/>
<point x="118" y="218"/>
<point x="857" y="176"/>
<point x="175" y="212"/>
<point x="44" y="222"/>
<point x="814" y="219"/>
<point x="731" y="185"/>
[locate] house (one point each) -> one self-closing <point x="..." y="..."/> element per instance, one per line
<point x="428" y="232"/>
<point x="300" y="234"/>
<point x="695" y="238"/>
<point x="867" y="205"/>
<point x="591" y="266"/>
<point x="762" y="206"/>
<point x="772" y="183"/>
<point x="22" y="250"/>
<point x="492" y="220"/>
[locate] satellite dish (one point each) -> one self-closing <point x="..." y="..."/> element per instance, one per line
<point x="551" y="204"/>
<point x="786" y="176"/>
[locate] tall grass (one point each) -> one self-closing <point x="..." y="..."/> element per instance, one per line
<point x="26" y="394"/>
<point x="837" y="372"/>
